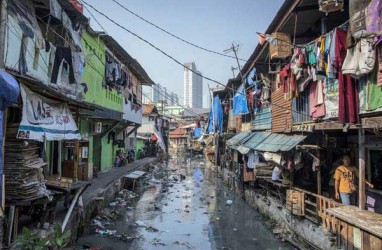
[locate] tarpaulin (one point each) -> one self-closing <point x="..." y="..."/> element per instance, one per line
<point x="197" y="132"/>
<point x="215" y="119"/>
<point x="43" y="117"/>
<point x="251" y="78"/>
<point x="9" y="92"/>
<point x="240" y="102"/>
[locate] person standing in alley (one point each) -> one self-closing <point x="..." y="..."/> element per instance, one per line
<point x="344" y="177"/>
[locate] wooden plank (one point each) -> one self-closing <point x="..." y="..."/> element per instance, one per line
<point x="357" y="238"/>
<point x="344" y="232"/>
<point x="366" y="241"/>
<point x="365" y="220"/>
<point x="350" y="238"/>
<point x="375" y="243"/>
<point x="310" y="203"/>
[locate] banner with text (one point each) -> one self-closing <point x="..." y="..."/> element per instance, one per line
<point x="45" y="117"/>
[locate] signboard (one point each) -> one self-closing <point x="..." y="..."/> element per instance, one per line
<point x="43" y="117"/>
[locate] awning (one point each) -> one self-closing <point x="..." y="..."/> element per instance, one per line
<point x="238" y="140"/>
<point x="256" y="139"/>
<point x="278" y="142"/>
<point x="243" y="149"/>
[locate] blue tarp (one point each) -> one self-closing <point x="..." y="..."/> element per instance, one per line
<point x="215" y="117"/>
<point x="9" y="91"/>
<point x="197" y="132"/>
<point x="240" y="102"/>
<point x="251" y="76"/>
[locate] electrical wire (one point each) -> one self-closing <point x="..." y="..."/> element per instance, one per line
<point x="173" y="35"/>
<point x="178" y="62"/>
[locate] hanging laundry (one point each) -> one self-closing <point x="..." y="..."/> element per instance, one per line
<point x="374" y="17"/>
<point x="311" y="54"/>
<point x="374" y="92"/>
<point x="316" y="110"/>
<point x="251" y="78"/>
<point x="357" y="14"/>
<point x="78" y="66"/>
<point x="348" y="92"/>
<point x="240" y="102"/>
<point x="63" y="63"/>
<point x="360" y="59"/>
<point x="331" y="55"/>
<point x="331" y="98"/>
<point x="253" y="159"/>
<point x="379" y="65"/>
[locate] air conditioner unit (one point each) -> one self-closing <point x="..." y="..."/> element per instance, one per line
<point x="97" y="128"/>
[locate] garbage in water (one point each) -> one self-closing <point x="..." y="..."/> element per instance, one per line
<point x="157" y="242"/>
<point x="154" y="218"/>
<point x="140" y="223"/>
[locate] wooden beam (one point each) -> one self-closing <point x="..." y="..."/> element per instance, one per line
<point x="133" y="130"/>
<point x="109" y="129"/>
<point x="361" y="170"/>
<point x="123" y="128"/>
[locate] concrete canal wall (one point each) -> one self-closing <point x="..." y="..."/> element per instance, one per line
<point x="301" y="229"/>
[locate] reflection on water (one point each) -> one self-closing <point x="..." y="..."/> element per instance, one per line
<point x="191" y="214"/>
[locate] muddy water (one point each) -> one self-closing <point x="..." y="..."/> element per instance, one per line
<point x="188" y="214"/>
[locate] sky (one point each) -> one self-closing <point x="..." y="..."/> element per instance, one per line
<point x="213" y="24"/>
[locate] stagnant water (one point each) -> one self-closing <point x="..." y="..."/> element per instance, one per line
<point x="187" y="214"/>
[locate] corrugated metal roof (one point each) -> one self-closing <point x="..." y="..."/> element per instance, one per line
<point x="238" y="140"/>
<point x="256" y="138"/>
<point x="263" y="119"/>
<point x="279" y="142"/>
<point x="243" y="150"/>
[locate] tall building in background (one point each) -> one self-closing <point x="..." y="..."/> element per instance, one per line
<point x="162" y="94"/>
<point x="156" y="93"/>
<point x="193" y="86"/>
<point x="147" y="94"/>
<point x="207" y="101"/>
<point x="174" y="98"/>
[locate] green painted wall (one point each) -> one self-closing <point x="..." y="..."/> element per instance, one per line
<point x="139" y="145"/>
<point x="94" y="74"/>
<point x="107" y="156"/>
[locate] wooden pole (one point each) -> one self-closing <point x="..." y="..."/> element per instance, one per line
<point x="319" y="190"/>
<point x="5" y="118"/>
<point x="76" y="152"/>
<point x="361" y="170"/>
<point x="3" y="27"/>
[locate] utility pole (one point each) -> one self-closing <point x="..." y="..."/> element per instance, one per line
<point x="233" y="71"/>
<point x="234" y="48"/>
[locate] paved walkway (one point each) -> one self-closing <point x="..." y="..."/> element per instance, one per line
<point x="105" y="178"/>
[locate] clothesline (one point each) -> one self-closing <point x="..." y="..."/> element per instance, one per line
<point x="306" y="44"/>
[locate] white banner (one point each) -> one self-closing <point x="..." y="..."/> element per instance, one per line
<point x="45" y="117"/>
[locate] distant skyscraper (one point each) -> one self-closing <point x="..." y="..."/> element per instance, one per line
<point x="174" y="98"/>
<point x="156" y="93"/>
<point x="207" y="101"/>
<point x="193" y="86"/>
